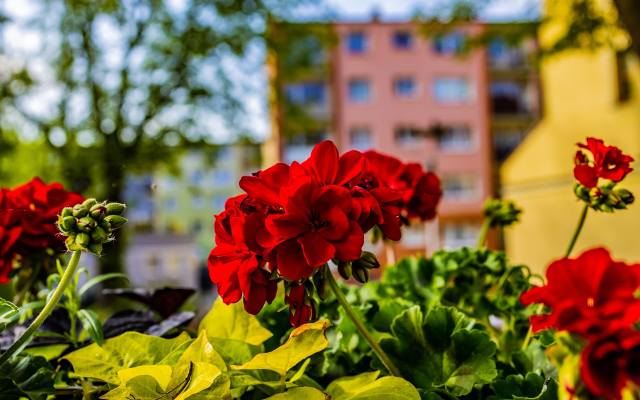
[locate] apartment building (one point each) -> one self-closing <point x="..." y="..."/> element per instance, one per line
<point x="426" y="98"/>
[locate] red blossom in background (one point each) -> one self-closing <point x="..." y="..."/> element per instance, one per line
<point x="294" y="219"/>
<point x="28" y="214"/>
<point x="609" y="362"/>
<point x="588" y="295"/>
<point x="595" y="160"/>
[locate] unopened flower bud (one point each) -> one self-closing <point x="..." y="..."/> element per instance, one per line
<point x="67" y="224"/>
<point x="367" y="260"/>
<point x="70" y="242"/>
<point x="86" y="224"/>
<point x="115" y="208"/>
<point x="99" y="235"/>
<point x="361" y="275"/>
<point x="320" y="282"/>
<point x="582" y="192"/>
<point x="67" y="212"/>
<point x="344" y="269"/>
<point x="625" y="196"/>
<point x="115" y="221"/>
<point x="83" y="239"/>
<point x="501" y="212"/>
<point x="88" y="203"/>
<point x="95" y="248"/>
<point x="80" y="211"/>
<point x="98" y="211"/>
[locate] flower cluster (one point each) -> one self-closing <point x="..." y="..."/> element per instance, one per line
<point x="593" y="297"/>
<point x="27" y="221"/>
<point x="293" y="219"/>
<point x="88" y="225"/>
<point x="595" y="161"/>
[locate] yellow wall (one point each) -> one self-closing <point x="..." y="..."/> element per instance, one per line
<point x="580" y="100"/>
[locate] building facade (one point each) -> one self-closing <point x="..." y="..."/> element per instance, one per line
<point x="588" y="92"/>
<point x="422" y="98"/>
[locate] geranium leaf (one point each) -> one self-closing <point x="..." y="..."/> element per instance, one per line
<point x="128" y="350"/>
<point x="26" y="375"/>
<point x="233" y="322"/>
<point x="530" y="387"/>
<point x="300" y="393"/>
<point x="368" y="386"/>
<point x="303" y="342"/>
<point x="441" y="350"/>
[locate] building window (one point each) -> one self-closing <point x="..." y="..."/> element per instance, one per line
<point x="359" y="90"/>
<point x="171" y="204"/>
<point x="361" y="138"/>
<point x="460" y="188"/>
<point x="460" y="234"/>
<point x="506" y="141"/>
<point x="509" y="97"/>
<point x="502" y="55"/>
<point x="299" y="147"/>
<point x="222" y="177"/>
<point x="404" y="87"/>
<point x="451" y="43"/>
<point x="218" y="202"/>
<point x="196" y="178"/>
<point x="305" y="93"/>
<point x="456" y="138"/>
<point x="451" y="90"/>
<point x="402" y="40"/>
<point x="357" y="42"/>
<point x="408" y="136"/>
<point x="197" y="202"/>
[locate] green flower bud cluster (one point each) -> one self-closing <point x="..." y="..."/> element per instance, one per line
<point x="90" y="224"/>
<point x="359" y="269"/>
<point x="605" y="198"/>
<point x="501" y="212"/>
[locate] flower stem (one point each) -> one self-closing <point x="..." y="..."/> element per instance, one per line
<point x="576" y="233"/>
<point x="384" y="358"/>
<point x="484" y="231"/>
<point x="46" y="311"/>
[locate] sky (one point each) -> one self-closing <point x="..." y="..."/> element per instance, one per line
<point x="255" y="82"/>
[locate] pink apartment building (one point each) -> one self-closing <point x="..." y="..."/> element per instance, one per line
<point x="390" y="87"/>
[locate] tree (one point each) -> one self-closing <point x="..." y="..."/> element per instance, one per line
<point x="133" y="82"/>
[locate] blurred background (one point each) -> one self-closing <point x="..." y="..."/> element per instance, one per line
<point x="165" y="104"/>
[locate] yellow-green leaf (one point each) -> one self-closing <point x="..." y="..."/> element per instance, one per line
<point x="367" y="386"/>
<point x="303" y="342"/>
<point x="128" y="350"/>
<point x="300" y="393"/>
<point x="233" y="322"/>
<point x="161" y="373"/>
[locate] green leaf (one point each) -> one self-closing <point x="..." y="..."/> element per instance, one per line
<point x="8" y="312"/>
<point x="196" y="374"/>
<point x="367" y="386"/>
<point x="530" y="387"/>
<point x="26" y="375"/>
<point x="128" y="350"/>
<point x="441" y="350"/>
<point x="303" y="342"/>
<point x="300" y="393"/>
<point x="233" y="322"/>
<point x="91" y="323"/>
<point x="99" y="279"/>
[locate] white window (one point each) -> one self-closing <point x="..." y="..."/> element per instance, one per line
<point x="361" y="138"/>
<point x="451" y="90"/>
<point x="414" y="236"/>
<point x="460" y="188"/>
<point x="222" y="177"/>
<point x="456" y="139"/>
<point x="299" y="146"/>
<point x="408" y="136"/>
<point x="359" y="90"/>
<point x="460" y="234"/>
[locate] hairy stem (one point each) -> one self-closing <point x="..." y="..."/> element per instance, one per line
<point x="484" y="231"/>
<point x="384" y="358"/>
<point x="576" y="233"/>
<point x="46" y="311"/>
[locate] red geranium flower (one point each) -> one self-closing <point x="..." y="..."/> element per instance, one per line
<point x="301" y="308"/>
<point x="314" y="228"/>
<point x="587" y="295"/>
<point x="235" y="264"/>
<point x="596" y="160"/>
<point x="37" y="206"/>
<point x="609" y="362"/>
<point x="422" y="192"/>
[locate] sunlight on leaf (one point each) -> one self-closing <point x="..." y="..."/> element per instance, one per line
<point x="233" y="322"/>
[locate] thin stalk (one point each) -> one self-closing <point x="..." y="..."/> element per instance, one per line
<point x="484" y="231"/>
<point x="22" y="294"/>
<point x="576" y="233"/>
<point x="46" y="311"/>
<point x="384" y="358"/>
